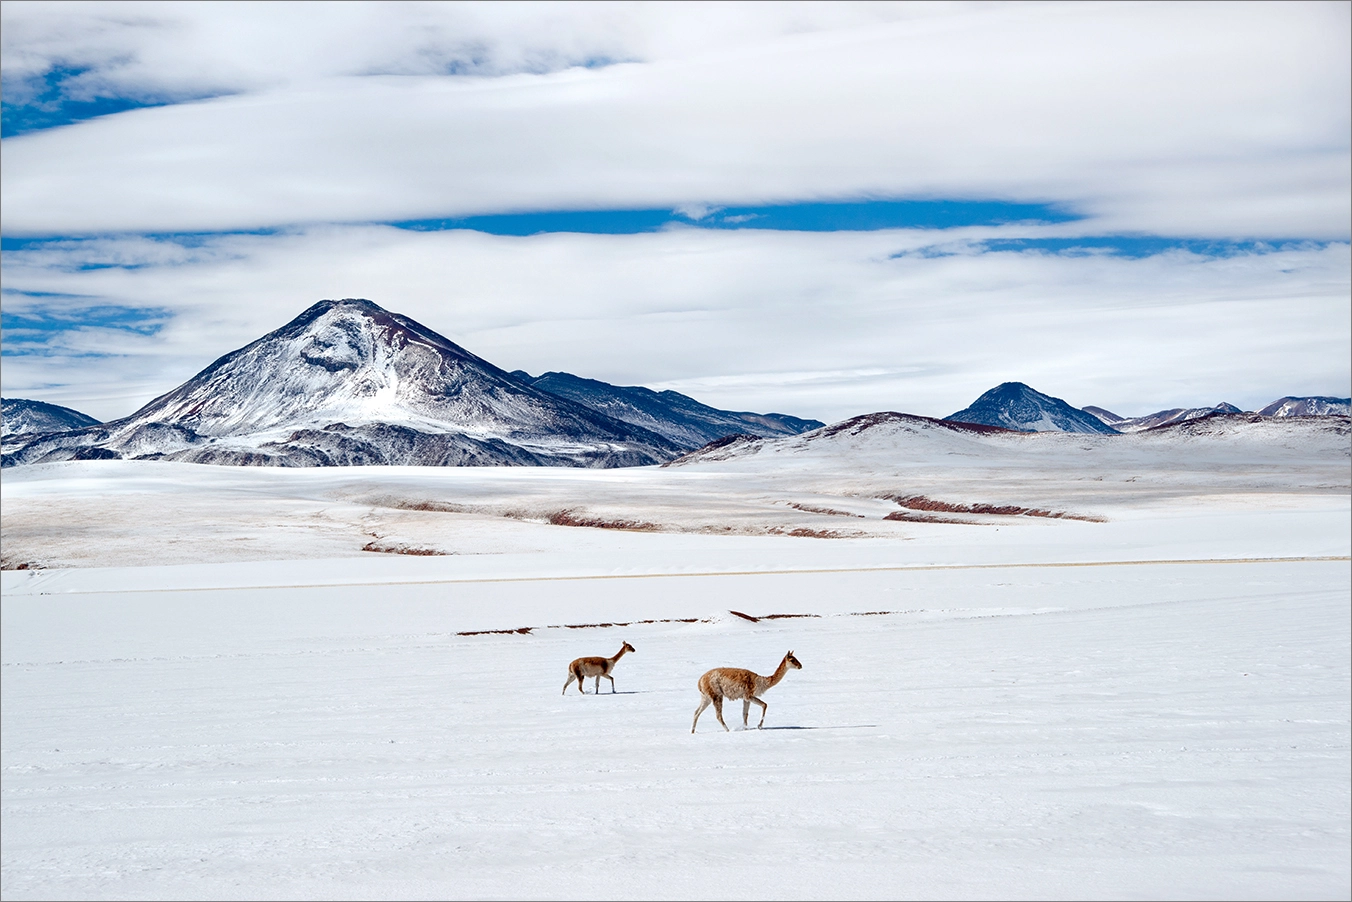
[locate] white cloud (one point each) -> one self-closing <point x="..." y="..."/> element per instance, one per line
<point x="811" y="324"/>
<point x="1222" y="120"/>
<point x="695" y="211"/>
<point x="1202" y="119"/>
<point x="161" y="49"/>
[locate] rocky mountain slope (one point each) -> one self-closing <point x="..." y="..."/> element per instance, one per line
<point x="23" y="419"/>
<point x="680" y="419"/>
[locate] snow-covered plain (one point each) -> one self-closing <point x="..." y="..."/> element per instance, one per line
<point x="211" y="690"/>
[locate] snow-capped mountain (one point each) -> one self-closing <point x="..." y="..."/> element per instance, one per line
<point x="680" y="419"/>
<point x="1013" y="405"/>
<point x="348" y="382"/>
<point x="24" y="418"/>
<point x="1159" y="418"/>
<point x="1308" y="407"/>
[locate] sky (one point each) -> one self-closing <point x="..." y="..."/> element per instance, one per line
<point x="820" y="209"/>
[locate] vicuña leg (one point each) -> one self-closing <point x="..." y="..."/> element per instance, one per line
<point x="703" y="703"/>
<point x="596" y="690"/>
<point x="764" y="708"/>
<point x="746" y="711"/>
<point x="718" y="709"/>
<point x="571" y="677"/>
<point x="612" y="683"/>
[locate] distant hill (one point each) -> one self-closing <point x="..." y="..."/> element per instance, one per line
<point x="1106" y="416"/>
<point x="1284" y="407"/>
<point x="24" y="417"/>
<point x="1308" y="407"/>
<point x="874" y="444"/>
<point x="1160" y="418"/>
<point x="1013" y="405"/>
<point x="680" y="419"/>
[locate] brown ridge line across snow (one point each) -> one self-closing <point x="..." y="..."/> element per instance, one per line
<point x="865" y="569"/>
<point x="524" y="630"/>
<point x="770" y="616"/>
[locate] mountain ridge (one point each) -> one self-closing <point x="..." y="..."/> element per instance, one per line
<point x="677" y="417"/>
<point x="1309" y="406"/>
<point x="1159" y="418"/>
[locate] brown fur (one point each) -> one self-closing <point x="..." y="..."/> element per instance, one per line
<point x="734" y="683"/>
<point x="582" y="668"/>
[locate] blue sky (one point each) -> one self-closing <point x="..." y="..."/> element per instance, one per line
<point x="818" y="209"/>
<point x="818" y="216"/>
<point x="47" y="105"/>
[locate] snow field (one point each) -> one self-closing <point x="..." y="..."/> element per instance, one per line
<point x="1147" y="731"/>
<point x="210" y="690"/>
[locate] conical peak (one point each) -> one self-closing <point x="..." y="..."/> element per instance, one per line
<point x="360" y="303"/>
<point x="367" y="317"/>
<point x="1009" y="388"/>
<point x="352" y="305"/>
<point x="1015" y="405"/>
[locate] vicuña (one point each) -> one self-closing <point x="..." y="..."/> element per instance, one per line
<point x="594" y="667"/>
<point x="734" y="682"/>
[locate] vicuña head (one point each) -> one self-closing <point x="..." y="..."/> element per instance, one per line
<point x="594" y="667"/>
<point x="734" y="682"/>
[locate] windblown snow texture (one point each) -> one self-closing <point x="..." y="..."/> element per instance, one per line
<point x="1013" y="405"/>
<point x="680" y="419"/>
<point x="349" y="383"/>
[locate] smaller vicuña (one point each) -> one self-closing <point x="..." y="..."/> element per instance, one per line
<point x="597" y="667"/>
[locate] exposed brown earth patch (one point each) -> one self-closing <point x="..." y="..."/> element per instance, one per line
<point x="807" y="508"/>
<point x="787" y="616"/>
<point x="912" y="517"/>
<point x="921" y="503"/>
<point x="805" y="533"/>
<point x="382" y="548"/>
<point x="568" y="518"/>
<point x="591" y="626"/>
<point x="438" y="506"/>
<point x="771" y="616"/>
<point x="525" y="630"/>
